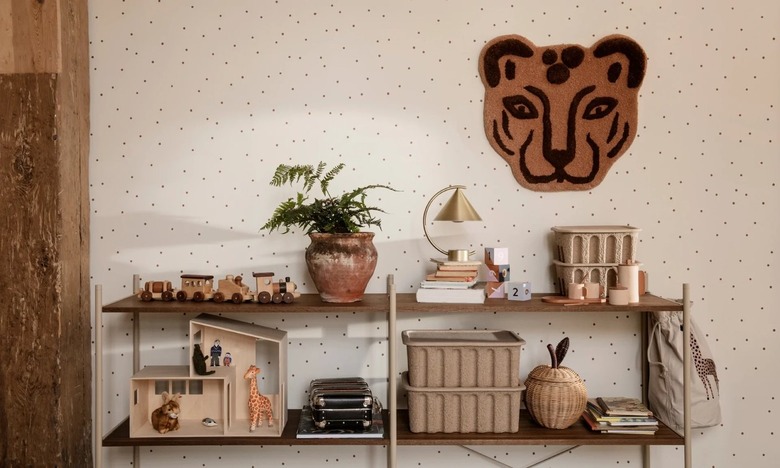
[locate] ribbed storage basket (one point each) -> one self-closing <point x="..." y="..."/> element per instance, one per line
<point x="555" y="398"/>
<point x="595" y="244"/>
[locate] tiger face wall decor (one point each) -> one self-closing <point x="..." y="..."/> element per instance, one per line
<point x="561" y="115"/>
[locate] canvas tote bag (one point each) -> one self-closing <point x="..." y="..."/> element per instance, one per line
<point x="665" y="385"/>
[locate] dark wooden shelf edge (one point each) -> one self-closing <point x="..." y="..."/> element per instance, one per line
<point x="379" y="303"/>
<point x="529" y="434"/>
<point x="120" y="437"/>
<point x="532" y="434"/>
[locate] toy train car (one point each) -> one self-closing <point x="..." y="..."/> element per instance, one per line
<point x="199" y="288"/>
<point x="156" y="290"/>
<point x="269" y="291"/>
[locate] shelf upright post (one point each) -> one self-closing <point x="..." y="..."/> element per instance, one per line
<point x="98" y="376"/>
<point x="391" y="374"/>
<point x="136" y="355"/>
<point x="687" y="374"/>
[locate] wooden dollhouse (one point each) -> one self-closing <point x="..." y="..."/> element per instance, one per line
<point x="220" y="396"/>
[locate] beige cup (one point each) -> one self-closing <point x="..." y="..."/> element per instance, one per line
<point x="592" y="290"/>
<point x="576" y="291"/>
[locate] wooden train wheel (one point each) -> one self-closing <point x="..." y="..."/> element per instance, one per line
<point x="237" y="298"/>
<point x="277" y="298"/>
<point x="167" y="296"/>
<point x="181" y="296"/>
<point x="146" y="296"/>
<point x="264" y="297"/>
<point x="198" y="296"/>
<point x="288" y="298"/>
<point x="219" y="297"/>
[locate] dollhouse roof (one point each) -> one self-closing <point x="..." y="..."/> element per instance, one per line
<point x="241" y="328"/>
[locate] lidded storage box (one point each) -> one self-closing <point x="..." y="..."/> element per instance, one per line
<point x="463" y="358"/>
<point x="596" y="244"/>
<point x="463" y="409"/>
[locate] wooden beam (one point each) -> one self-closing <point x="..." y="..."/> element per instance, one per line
<point x="29" y="33"/>
<point x="45" y="375"/>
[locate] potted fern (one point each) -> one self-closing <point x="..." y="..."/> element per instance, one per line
<point x="341" y="258"/>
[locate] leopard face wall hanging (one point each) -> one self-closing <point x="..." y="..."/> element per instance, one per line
<point x="561" y="115"/>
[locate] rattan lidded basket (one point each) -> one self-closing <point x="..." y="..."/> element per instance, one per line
<point x="555" y="397"/>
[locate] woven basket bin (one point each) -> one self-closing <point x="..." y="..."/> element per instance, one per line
<point x="555" y="398"/>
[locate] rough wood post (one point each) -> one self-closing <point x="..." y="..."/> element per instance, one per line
<point x="45" y="372"/>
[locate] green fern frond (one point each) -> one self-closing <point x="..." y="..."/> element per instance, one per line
<point x="347" y="213"/>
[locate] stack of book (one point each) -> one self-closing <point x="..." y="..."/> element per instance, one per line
<point x="619" y="415"/>
<point x="452" y="282"/>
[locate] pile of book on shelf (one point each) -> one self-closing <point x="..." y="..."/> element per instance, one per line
<point x="619" y="415"/>
<point x="452" y="282"/>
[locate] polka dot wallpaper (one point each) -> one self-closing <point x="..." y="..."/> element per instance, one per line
<point x="194" y="103"/>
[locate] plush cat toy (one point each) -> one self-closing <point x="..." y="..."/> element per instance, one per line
<point x="199" y="361"/>
<point x="166" y="417"/>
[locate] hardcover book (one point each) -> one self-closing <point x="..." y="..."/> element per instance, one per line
<point x="608" y="428"/>
<point x="598" y="414"/>
<point x="472" y="295"/>
<point x="623" y="406"/>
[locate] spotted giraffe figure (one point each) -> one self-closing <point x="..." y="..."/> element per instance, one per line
<point x="257" y="402"/>
<point x="704" y="367"/>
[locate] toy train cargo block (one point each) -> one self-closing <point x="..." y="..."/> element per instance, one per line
<point x="269" y="291"/>
<point x="496" y="256"/>
<point x="156" y="290"/>
<point x="197" y="288"/>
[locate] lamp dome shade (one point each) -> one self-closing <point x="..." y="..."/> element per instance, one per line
<point x="458" y="209"/>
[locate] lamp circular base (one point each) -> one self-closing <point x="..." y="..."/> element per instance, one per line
<point x="459" y="255"/>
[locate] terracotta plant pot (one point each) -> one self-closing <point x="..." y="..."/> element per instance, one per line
<point x="341" y="264"/>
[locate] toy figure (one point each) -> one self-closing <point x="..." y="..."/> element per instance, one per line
<point x="199" y="361"/>
<point x="216" y="352"/>
<point x="257" y="402"/>
<point x="166" y="417"/>
<point x="227" y="360"/>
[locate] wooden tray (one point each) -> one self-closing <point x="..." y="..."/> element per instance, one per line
<point x="566" y="301"/>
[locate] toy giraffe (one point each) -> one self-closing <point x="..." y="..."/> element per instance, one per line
<point x="257" y="402"/>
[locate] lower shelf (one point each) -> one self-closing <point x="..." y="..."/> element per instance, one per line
<point x="529" y="434"/>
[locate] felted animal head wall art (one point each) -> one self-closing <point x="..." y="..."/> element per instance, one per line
<point x="561" y="115"/>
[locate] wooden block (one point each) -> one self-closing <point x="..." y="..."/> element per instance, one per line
<point x="495" y="290"/>
<point x="496" y="255"/>
<point x="498" y="273"/>
<point x="518" y="291"/>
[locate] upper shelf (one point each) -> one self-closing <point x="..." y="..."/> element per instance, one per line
<point x="406" y="302"/>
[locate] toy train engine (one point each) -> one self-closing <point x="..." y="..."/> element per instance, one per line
<point x="233" y="287"/>
<point x="156" y="290"/>
<point x="196" y="287"/>
<point x="269" y="291"/>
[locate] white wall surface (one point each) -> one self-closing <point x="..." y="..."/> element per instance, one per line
<point x="195" y="103"/>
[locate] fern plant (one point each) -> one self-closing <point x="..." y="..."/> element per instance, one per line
<point x="328" y="214"/>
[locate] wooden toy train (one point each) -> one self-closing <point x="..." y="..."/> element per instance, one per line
<point x="199" y="288"/>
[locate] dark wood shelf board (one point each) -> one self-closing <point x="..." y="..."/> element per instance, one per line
<point x="647" y="303"/>
<point x="379" y="303"/>
<point x="529" y="434"/>
<point x="120" y="437"/>
<point x="307" y="303"/>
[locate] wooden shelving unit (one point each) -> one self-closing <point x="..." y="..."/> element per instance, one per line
<point x="396" y="421"/>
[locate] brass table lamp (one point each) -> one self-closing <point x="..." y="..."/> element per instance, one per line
<point x="457" y="209"/>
